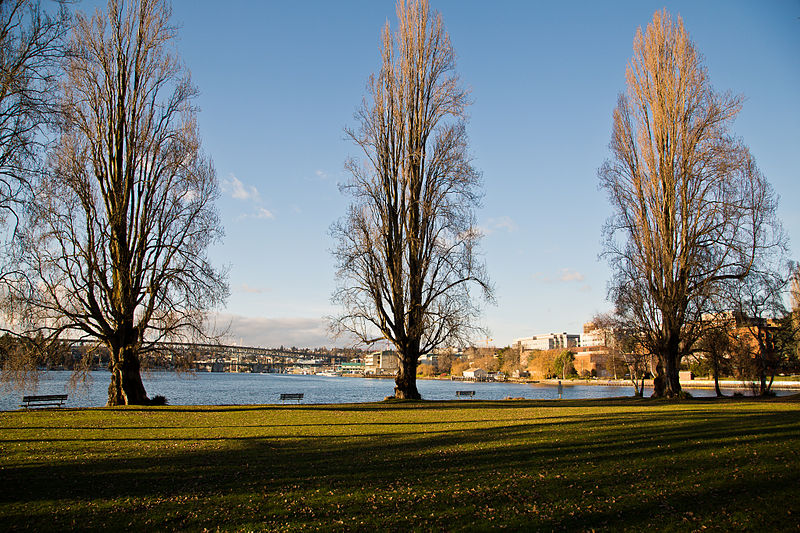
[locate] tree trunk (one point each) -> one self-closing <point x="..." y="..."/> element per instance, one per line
<point x="670" y="359"/>
<point x="406" y="381"/>
<point x="126" y="386"/>
<point x="765" y="387"/>
<point x="659" y="386"/>
<point x="638" y="386"/>
<point x="672" y="383"/>
<point x="768" y="388"/>
<point x="715" y="370"/>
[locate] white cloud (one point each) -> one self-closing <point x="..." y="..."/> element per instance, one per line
<point x="260" y="213"/>
<point x="504" y="223"/>
<point x="247" y="289"/>
<point x="568" y="275"/>
<point x="239" y="190"/>
<point x="274" y="332"/>
<point x="321" y="174"/>
<point x="247" y="193"/>
<point x="264" y="213"/>
<point x="565" y="275"/>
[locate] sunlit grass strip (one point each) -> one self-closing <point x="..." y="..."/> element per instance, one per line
<point x="618" y="464"/>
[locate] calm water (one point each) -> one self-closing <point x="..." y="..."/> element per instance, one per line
<point x="207" y="388"/>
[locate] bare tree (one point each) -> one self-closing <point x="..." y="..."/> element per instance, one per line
<point x="765" y="325"/>
<point x="691" y="207"/>
<point x="624" y="343"/>
<point x="31" y="45"/>
<point x="116" y="243"/>
<point x="715" y="346"/>
<point x="406" y="250"/>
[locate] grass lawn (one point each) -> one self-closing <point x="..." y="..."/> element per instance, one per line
<point x="543" y="465"/>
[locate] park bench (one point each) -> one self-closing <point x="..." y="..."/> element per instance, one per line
<point x="46" y="400"/>
<point x="291" y="396"/>
<point x="462" y="393"/>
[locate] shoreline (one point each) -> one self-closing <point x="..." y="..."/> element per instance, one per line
<point x="691" y="384"/>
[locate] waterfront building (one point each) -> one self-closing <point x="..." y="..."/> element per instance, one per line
<point x="549" y="341"/>
<point x="382" y="362"/>
<point x="353" y="367"/>
<point x="475" y="373"/>
<point x="595" y="361"/>
<point x="592" y="335"/>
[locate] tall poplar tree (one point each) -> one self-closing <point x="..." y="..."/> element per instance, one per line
<point x="691" y="208"/>
<point x="407" y="248"/>
<point x="116" y="243"/>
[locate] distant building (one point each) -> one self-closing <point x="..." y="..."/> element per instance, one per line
<point x="549" y="341"/>
<point x="475" y="373"/>
<point x="592" y="335"/>
<point x="595" y="361"/>
<point x="352" y="367"/>
<point x="429" y="359"/>
<point x="592" y="357"/>
<point x="383" y="362"/>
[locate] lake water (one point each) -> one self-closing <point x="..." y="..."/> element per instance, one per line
<point x="216" y="388"/>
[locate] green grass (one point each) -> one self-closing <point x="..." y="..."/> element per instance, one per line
<point x="543" y="465"/>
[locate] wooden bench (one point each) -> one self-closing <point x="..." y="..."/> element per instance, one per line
<point x="461" y="393"/>
<point x="46" y="400"/>
<point x="292" y="396"/>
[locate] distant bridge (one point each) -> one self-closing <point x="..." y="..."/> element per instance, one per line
<point x="233" y="358"/>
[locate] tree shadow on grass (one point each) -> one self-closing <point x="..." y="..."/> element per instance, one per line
<point x="523" y="473"/>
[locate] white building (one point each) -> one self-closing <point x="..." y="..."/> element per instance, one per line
<point x="549" y="341"/>
<point x="592" y="336"/>
<point x="384" y="362"/>
<point x="475" y="373"/>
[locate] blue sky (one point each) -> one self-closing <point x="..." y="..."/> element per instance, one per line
<point x="280" y="80"/>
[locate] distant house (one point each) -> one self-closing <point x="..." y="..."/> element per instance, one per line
<point x="475" y="373"/>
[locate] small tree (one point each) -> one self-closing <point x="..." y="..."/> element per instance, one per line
<point x="765" y="326"/>
<point x="562" y="364"/>
<point x="715" y="347"/>
<point x="444" y="362"/>
<point x="407" y="249"/>
<point x="115" y="248"/>
<point x="509" y="360"/>
<point x="623" y="342"/>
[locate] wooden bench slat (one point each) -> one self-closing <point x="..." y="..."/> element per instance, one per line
<point x="44" y="400"/>
<point x="292" y="396"/>
<point x="44" y="397"/>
